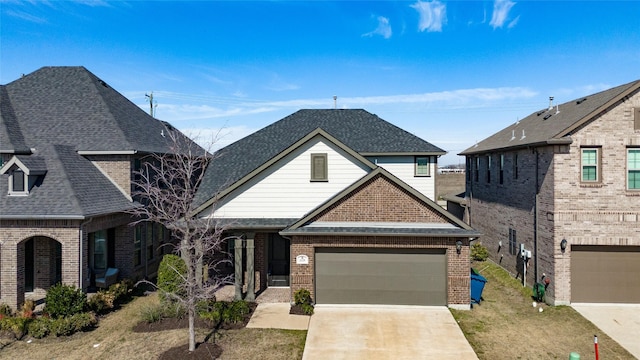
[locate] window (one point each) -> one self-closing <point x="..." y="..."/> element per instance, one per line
<point x="319" y="167"/>
<point x="488" y="168"/>
<point x="18" y="181"/>
<point x="501" y="168"/>
<point x="515" y="165"/>
<point x="149" y="242"/>
<point x="590" y="160"/>
<point x="513" y="248"/>
<point x="636" y="118"/>
<point x="137" y="245"/>
<point x="633" y="169"/>
<point x="468" y="169"/>
<point x="98" y="250"/>
<point x="476" y="175"/>
<point x="422" y="167"/>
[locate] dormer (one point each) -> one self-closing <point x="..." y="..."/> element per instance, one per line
<point x="24" y="172"/>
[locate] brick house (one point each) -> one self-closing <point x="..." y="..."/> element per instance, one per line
<point x="69" y="144"/>
<point x="339" y="202"/>
<point x="564" y="183"/>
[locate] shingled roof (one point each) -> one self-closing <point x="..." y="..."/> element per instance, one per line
<point x="56" y="114"/>
<point x="555" y="125"/>
<point x="361" y="131"/>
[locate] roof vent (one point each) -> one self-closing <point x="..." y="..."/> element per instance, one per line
<point x="557" y="109"/>
<point x="581" y="101"/>
<point x="513" y="135"/>
<point x="523" y="135"/>
<point x="550" y="102"/>
<point x="547" y="116"/>
<point x="103" y="84"/>
<point x="541" y="112"/>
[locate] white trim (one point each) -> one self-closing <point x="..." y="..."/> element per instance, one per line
<point x="381" y="225"/>
<point x="104" y="152"/>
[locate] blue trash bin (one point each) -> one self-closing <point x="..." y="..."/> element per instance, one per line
<point x="477" y="285"/>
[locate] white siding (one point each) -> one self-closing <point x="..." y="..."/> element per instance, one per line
<point x="285" y="190"/>
<point x="403" y="167"/>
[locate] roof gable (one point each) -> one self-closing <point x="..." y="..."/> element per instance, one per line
<point x="359" y="130"/>
<point x="380" y="200"/>
<point x="554" y="125"/>
<point x="30" y="165"/>
<point x="298" y="144"/>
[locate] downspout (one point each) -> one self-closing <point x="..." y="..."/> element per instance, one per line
<point x="535" y="219"/>
<point x="81" y="262"/>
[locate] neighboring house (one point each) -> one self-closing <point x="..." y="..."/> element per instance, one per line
<point x="565" y="183"/>
<point x="69" y="144"/>
<point x="341" y="203"/>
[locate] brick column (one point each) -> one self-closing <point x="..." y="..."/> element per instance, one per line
<point x="12" y="274"/>
<point x="238" y="268"/>
<point x="250" y="268"/>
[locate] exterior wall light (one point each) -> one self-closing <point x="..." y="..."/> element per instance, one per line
<point x="458" y="246"/>
<point x="563" y="245"/>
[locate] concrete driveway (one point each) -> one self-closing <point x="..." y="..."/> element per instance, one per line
<point x="385" y="332"/>
<point x="620" y="321"/>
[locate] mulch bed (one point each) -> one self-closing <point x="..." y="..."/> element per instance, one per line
<point x="183" y="323"/>
<point x="297" y="310"/>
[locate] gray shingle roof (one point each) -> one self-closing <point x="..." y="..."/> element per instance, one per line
<point x="548" y="125"/>
<point x="59" y="112"/>
<point x="358" y="129"/>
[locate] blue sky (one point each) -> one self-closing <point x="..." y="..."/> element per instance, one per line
<point x="451" y="72"/>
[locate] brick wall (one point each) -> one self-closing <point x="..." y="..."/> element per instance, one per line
<point x="12" y="239"/>
<point x="117" y="167"/>
<point x="458" y="281"/>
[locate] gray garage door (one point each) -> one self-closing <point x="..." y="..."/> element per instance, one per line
<point x="605" y="274"/>
<point x="381" y="276"/>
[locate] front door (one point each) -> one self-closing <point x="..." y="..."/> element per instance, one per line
<point x="279" y="250"/>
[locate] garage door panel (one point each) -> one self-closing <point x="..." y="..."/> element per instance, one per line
<point x="380" y="276"/>
<point x="605" y="274"/>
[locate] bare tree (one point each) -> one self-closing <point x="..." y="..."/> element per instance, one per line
<point x="165" y="187"/>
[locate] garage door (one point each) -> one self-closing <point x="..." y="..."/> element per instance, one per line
<point x="381" y="276"/>
<point x="605" y="274"/>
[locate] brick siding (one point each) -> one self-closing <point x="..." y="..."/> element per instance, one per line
<point x="604" y="213"/>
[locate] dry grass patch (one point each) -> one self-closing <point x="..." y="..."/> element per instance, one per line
<point x="114" y="339"/>
<point x="507" y="326"/>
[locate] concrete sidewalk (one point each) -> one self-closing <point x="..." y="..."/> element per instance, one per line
<point x="620" y="321"/>
<point x="276" y="316"/>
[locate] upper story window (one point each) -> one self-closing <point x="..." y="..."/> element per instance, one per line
<point x="422" y="166"/>
<point x="17" y="181"/>
<point x="24" y="172"/>
<point x="590" y="164"/>
<point x="501" y="168"/>
<point x="488" y="168"/>
<point x="319" y="167"/>
<point x="636" y="118"/>
<point x="633" y="169"/>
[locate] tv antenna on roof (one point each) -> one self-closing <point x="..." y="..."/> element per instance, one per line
<point x="335" y="101"/>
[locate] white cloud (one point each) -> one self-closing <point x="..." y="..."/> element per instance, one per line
<point x="383" y="29"/>
<point x="26" y="16"/>
<point x="500" y="15"/>
<point x="215" y="139"/>
<point x="433" y="14"/>
<point x="513" y="22"/>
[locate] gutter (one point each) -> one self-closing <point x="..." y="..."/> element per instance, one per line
<point x="567" y="140"/>
<point x="346" y="233"/>
<point x="106" y="152"/>
<point x="42" y="217"/>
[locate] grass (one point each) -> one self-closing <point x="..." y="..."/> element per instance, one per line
<point x="507" y="326"/>
<point x="114" y="339"/>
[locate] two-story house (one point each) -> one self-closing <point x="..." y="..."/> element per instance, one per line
<point x="69" y="145"/>
<point x="564" y="184"/>
<point x="341" y="203"/>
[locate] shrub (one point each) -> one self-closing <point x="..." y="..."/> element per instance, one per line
<point x="5" y="310"/>
<point x="152" y="313"/>
<point x="307" y="308"/>
<point x="479" y="252"/>
<point x="171" y="274"/>
<point x="101" y="302"/>
<point x="226" y="312"/>
<point x="121" y="291"/>
<point x="64" y="300"/>
<point x="39" y="328"/>
<point x="302" y="296"/>
<point x="27" y="309"/>
<point x="69" y="325"/>
<point x="15" y="325"/>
